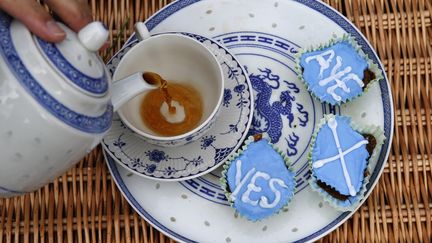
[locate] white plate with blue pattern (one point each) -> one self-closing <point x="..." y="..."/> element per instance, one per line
<point x="199" y="156"/>
<point x="264" y="35"/>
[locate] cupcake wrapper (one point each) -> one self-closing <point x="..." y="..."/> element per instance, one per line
<point x="224" y="182"/>
<point x="353" y="202"/>
<point x="373" y="67"/>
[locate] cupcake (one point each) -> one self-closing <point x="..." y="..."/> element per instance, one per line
<point x="338" y="71"/>
<point x="339" y="156"/>
<point x="257" y="180"/>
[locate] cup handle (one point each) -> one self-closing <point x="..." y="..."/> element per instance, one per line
<point x="141" y="31"/>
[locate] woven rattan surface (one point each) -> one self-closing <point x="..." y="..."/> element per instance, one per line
<point x="84" y="205"/>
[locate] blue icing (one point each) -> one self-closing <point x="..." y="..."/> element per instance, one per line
<point x="264" y="159"/>
<point x="348" y="57"/>
<point x="331" y="173"/>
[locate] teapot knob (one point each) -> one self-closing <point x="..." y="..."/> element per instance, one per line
<point x="93" y="36"/>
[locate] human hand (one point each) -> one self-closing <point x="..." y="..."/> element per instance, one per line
<point x="75" y="13"/>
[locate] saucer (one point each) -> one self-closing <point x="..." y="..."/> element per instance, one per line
<point x="197" y="157"/>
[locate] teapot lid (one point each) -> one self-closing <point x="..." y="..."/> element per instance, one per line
<point x="76" y="59"/>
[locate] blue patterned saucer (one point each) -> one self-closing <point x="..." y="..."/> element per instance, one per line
<point x="198" y="157"/>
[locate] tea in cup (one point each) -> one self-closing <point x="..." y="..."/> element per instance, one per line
<point x="171" y="110"/>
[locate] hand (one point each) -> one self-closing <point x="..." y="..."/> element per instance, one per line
<point x="75" y="13"/>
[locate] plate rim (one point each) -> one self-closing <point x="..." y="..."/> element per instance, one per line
<point x="319" y="7"/>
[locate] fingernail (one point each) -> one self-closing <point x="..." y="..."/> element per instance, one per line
<point x="54" y="29"/>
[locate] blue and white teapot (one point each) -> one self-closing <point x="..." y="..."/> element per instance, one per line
<point x="55" y="103"/>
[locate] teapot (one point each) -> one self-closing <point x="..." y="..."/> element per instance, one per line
<point x="55" y="102"/>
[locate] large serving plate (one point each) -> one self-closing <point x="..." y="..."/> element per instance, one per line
<point x="264" y="35"/>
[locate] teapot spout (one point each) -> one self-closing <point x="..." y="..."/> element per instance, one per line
<point x="125" y="89"/>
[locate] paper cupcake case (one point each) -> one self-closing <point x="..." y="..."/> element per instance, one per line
<point x="373" y="67"/>
<point x="238" y="153"/>
<point x="355" y="201"/>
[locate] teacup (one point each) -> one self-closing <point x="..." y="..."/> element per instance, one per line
<point x="180" y="59"/>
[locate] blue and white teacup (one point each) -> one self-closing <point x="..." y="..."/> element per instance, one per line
<point x="174" y="57"/>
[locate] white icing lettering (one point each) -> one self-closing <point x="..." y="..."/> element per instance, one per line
<point x="238" y="172"/>
<point x="340" y="77"/>
<point x="264" y="201"/>
<point x="253" y="187"/>
<point x="332" y="123"/>
<point x="324" y="63"/>
<point x="240" y="183"/>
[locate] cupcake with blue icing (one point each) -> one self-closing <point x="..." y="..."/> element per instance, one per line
<point x="338" y="71"/>
<point x="340" y="154"/>
<point x="257" y="180"/>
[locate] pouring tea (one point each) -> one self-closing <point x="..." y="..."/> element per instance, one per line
<point x="195" y="87"/>
<point x="57" y="100"/>
<point x="168" y="108"/>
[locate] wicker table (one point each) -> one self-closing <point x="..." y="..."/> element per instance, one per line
<point x="84" y="205"/>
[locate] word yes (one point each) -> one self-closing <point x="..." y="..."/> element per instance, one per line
<point x="252" y="187"/>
